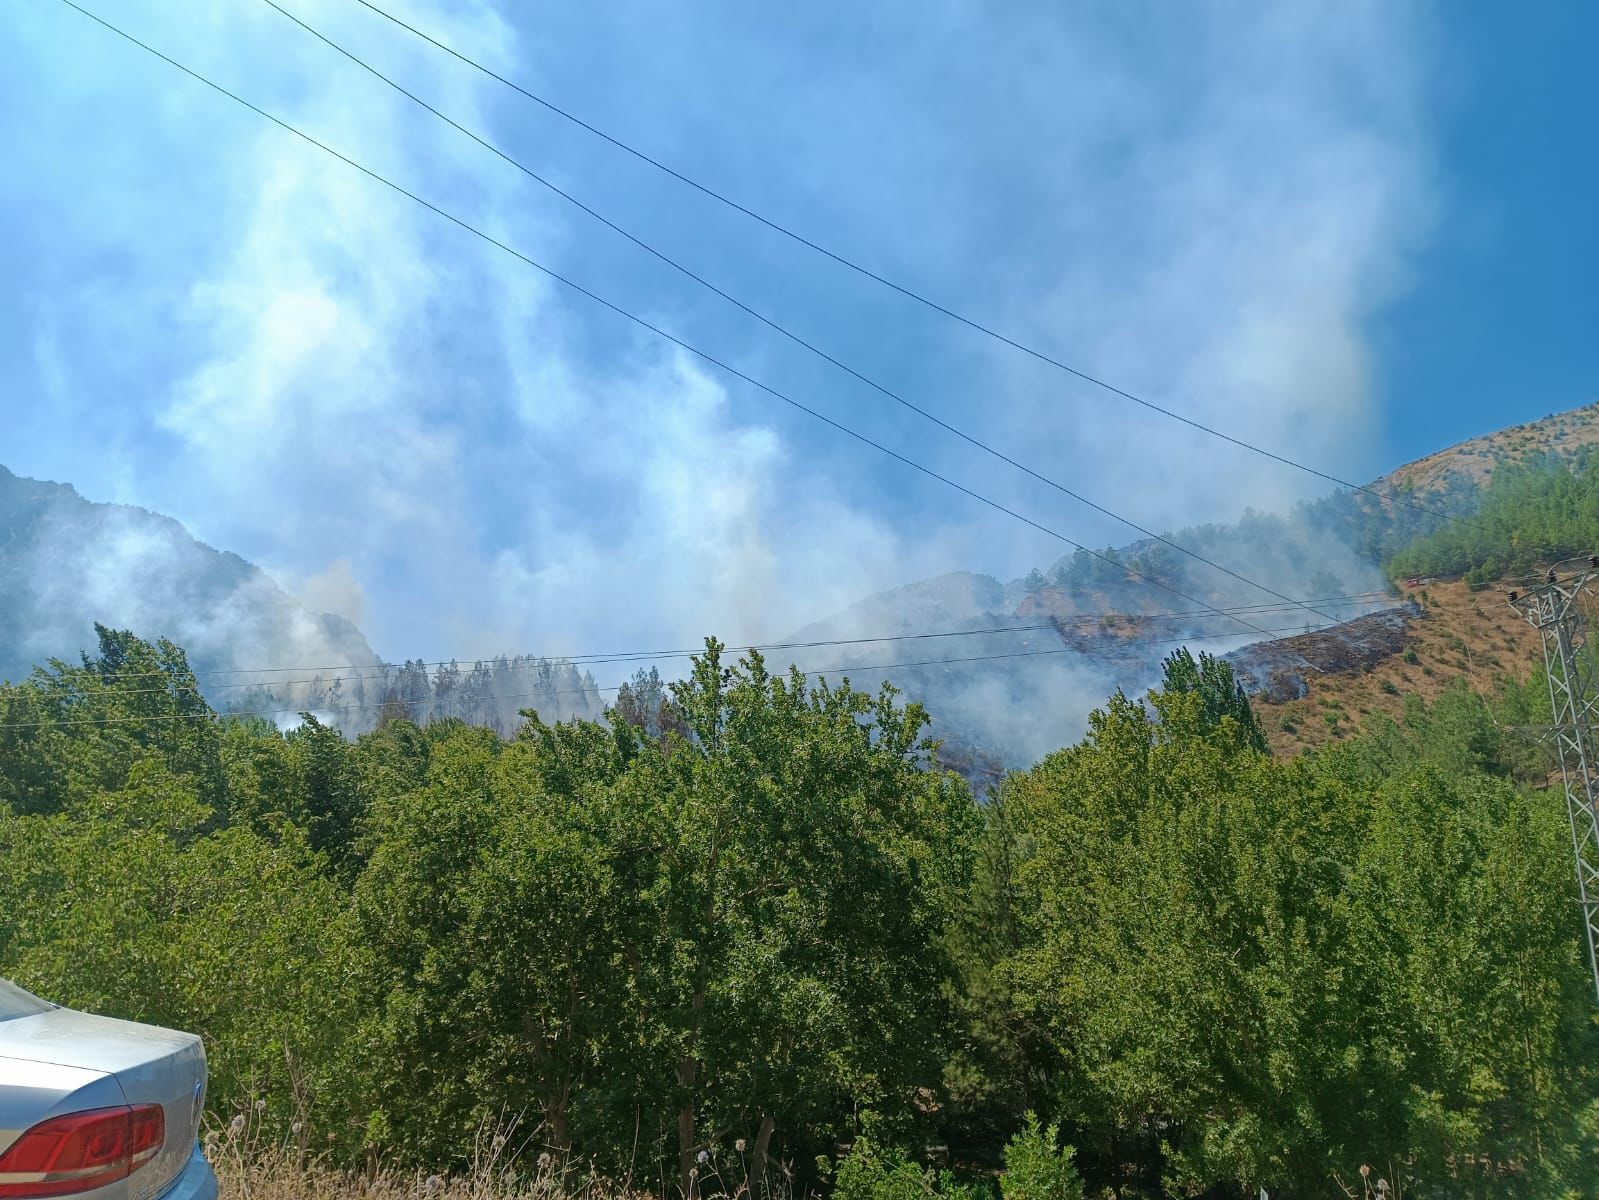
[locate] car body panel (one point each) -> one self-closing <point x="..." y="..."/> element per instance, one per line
<point x="197" y="1181"/>
<point x="31" y="1092"/>
<point x="57" y="1060"/>
<point x="76" y="1039"/>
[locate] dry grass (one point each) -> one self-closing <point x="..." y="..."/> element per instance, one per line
<point x="1461" y="635"/>
<point x="281" y="1175"/>
<point x="506" y="1164"/>
<point x="251" y="1166"/>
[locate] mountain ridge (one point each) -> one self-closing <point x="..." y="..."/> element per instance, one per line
<point x="67" y="562"/>
<point x="1335" y="546"/>
<point x="1476" y="458"/>
<point x="1024" y="662"/>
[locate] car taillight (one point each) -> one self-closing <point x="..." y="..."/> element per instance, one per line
<point x="80" y="1151"/>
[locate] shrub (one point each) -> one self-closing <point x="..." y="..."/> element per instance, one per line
<point x="1036" y="1170"/>
<point x="871" y="1173"/>
<point x="1389" y="687"/>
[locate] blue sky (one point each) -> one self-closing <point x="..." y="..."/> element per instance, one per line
<point x="1498" y="325"/>
<point x="1354" y="232"/>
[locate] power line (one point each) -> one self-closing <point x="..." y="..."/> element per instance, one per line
<point x="361" y="672"/>
<point x="390" y="673"/>
<point x="769" y="322"/>
<point x="822" y="672"/>
<point x="703" y="355"/>
<point x="904" y="290"/>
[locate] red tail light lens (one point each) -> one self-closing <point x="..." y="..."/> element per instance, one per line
<point x="80" y="1151"/>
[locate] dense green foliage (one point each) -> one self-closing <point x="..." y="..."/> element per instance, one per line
<point x="749" y="920"/>
<point x="1534" y="512"/>
<point x="1219" y="697"/>
<point x="1274" y="972"/>
<point x="646" y="945"/>
<point x="1037" y="1167"/>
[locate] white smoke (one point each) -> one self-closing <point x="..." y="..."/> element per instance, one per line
<point x="129" y="569"/>
<point x="407" y="425"/>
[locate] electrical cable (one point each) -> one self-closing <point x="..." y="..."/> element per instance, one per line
<point x="820" y="673"/>
<point x="703" y="355"/>
<point x="906" y="291"/>
<point x="769" y="322"/>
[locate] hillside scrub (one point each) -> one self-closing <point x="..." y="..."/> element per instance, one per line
<point x="753" y="940"/>
<point x="1533" y="512"/>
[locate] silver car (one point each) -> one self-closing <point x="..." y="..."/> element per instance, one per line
<point x="96" y="1108"/>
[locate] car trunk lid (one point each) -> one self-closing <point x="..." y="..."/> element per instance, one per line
<point x="151" y="1066"/>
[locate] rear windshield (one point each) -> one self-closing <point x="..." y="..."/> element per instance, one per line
<point x="14" y="1002"/>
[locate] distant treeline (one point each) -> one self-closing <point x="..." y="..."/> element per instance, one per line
<point x="490" y="692"/>
<point x="746" y="924"/>
<point x="1532" y="513"/>
<point x="1537" y="509"/>
<point x="1320" y="549"/>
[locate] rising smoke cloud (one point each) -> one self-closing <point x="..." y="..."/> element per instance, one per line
<point x="1209" y="205"/>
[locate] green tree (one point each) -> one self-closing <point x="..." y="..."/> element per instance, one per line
<point x="1260" y="973"/>
<point x="1221" y="696"/>
<point x="408" y="911"/>
<point x="1004" y="1064"/>
<point x="809" y="865"/>
<point x="1036" y="1168"/>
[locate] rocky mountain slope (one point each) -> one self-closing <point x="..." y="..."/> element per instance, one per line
<point x="1022" y="692"/>
<point x="68" y="563"/>
<point x="1473" y="461"/>
<point x="1281" y="670"/>
<point x="1444" y="635"/>
<point x="1008" y="670"/>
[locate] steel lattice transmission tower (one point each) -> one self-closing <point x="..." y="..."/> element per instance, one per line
<point x="1553" y="609"/>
